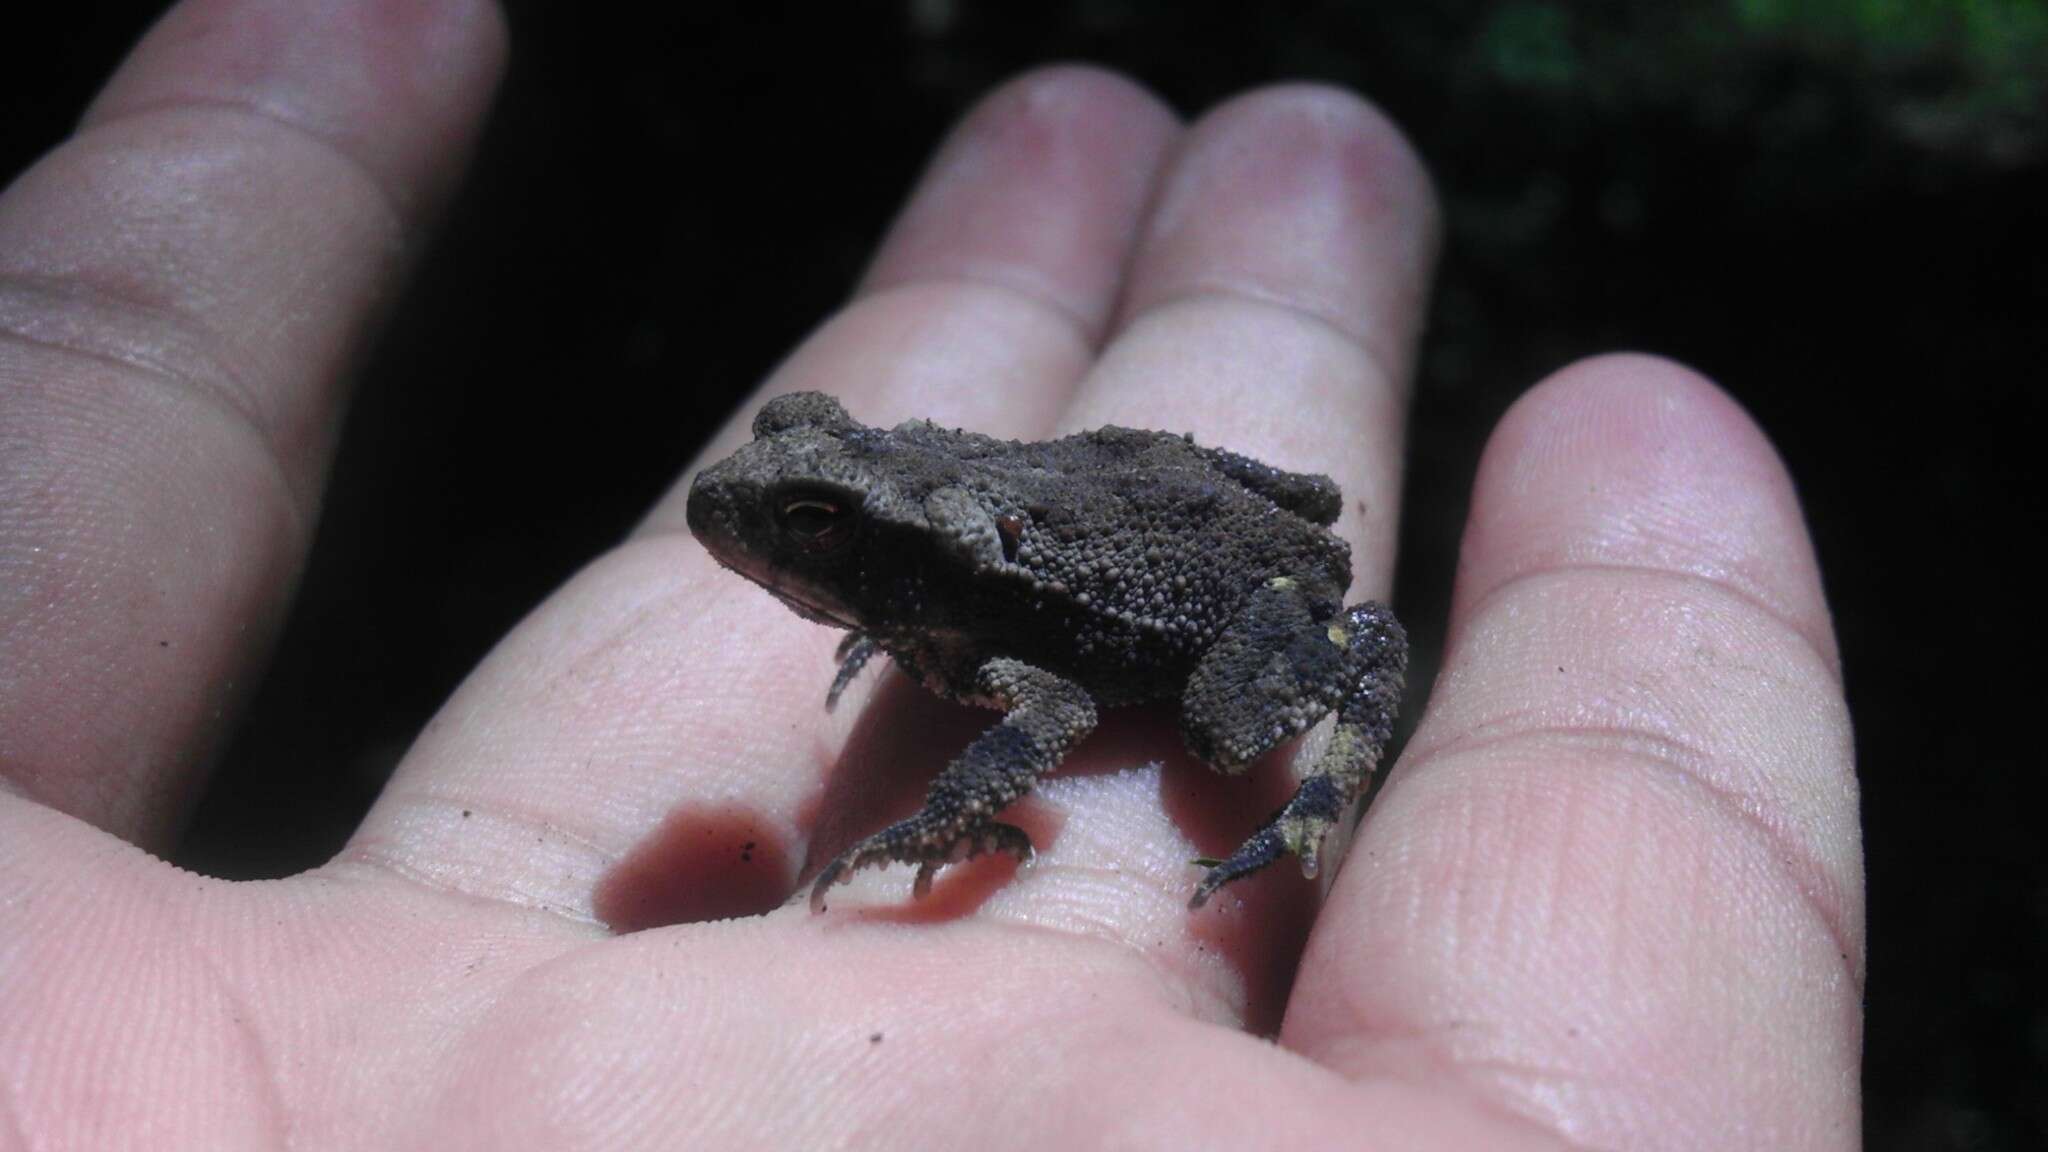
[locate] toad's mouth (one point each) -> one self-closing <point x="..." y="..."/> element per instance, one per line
<point x="817" y="611"/>
<point x="809" y="600"/>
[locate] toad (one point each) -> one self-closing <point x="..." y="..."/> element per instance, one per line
<point x="1051" y="579"/>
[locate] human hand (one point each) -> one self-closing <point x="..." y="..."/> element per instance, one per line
<point x="1610" y="896"/>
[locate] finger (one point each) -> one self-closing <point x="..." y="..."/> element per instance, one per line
<point x="964" y="1035"/>
<point x="1616" y="882"/>
<point x="182" y="284"/>
<point x="1275" y="302"/>
<point x="992" y="291"/>
<point x="1272" y="309"/>
<point x="661" y="705"/>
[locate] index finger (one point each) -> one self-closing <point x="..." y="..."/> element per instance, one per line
<point x="182" y="286"/>
<point x="1616" y="882"/>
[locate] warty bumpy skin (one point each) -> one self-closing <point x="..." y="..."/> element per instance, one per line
<point x="1048" y="579"/>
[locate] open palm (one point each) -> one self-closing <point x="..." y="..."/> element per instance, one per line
<point x="1610" y="897"/>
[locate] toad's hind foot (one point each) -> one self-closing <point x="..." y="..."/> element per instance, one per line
<point x="917" y="841"/>
<point x="1242" y="708"/>
<point x="1297" y="830"/>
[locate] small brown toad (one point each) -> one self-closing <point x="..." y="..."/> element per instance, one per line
<point x="1049" y="579"/>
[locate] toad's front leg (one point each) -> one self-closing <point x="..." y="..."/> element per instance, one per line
<point x="854" y="653"/>
<point x="1047" y="716"/>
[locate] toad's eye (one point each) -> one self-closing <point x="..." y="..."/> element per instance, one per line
<point x="817" y="523"/>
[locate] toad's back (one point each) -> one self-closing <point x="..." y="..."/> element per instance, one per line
<point x="1118" y="555"/>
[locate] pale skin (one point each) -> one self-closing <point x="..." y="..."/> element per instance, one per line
<point x="1611" y="895"/>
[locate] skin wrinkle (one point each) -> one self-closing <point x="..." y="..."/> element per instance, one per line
<point x="1363" y="1051"/>
<point x="1383" y="370"/>
<point x="1487" y="1076"/>
<point x="353" y="861"/>
<point x="212" y="373"/>
<point x="1413" y="1057"/>
<point x="556" y="645"/>
<point x="1659" y="445"/>
<point x="1805" y="865"/>
<point x="369" y="852"/>
<point x="86" y="309"/>
<point x="1429" y="744"/>
<point x="1756" y="600"/>
<point x="1799" y="866"/>
<point x="1323" y="367"/>
<point x="1184" y="987"/>
<point x="1212" y="993"/>
<point x="1295" y="174"/>
<point x="1088" y="335"/>
<point x="141" y="780"/>
<point x="394" y="205"/>
<point x="416" y="801"/>
<point x="242" y="1019"/>
<point x="232" y="402"/>
<point x="1394" y="1048"/>
<point x="1430" y="759"/>
<point x="605" y="658"/>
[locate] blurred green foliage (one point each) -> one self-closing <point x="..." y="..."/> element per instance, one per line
<point x="1530" y="45"/>
<point x="1965" y="77"/>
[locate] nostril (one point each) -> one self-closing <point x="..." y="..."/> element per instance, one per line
<point x="703" y="512"/>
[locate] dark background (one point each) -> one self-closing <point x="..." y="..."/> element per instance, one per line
<point x="1839" y="217"/>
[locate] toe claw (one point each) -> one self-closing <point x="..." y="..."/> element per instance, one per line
<point x="1309" y="863"/>
<point x="1264" y="847"/>
<point x="894" y="844"/>
<point x="1008" y="838"/>
<point x="834" y="872"/>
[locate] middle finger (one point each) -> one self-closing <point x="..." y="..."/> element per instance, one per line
<point x="655" y="691"/>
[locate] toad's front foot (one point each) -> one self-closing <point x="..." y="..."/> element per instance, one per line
<point x="926" y="843"/>
<point x="1046" y="716"/>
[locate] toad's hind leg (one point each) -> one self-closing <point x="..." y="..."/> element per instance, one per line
<point x="1047" y="716"/>
<point x="1273" y="673"/>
